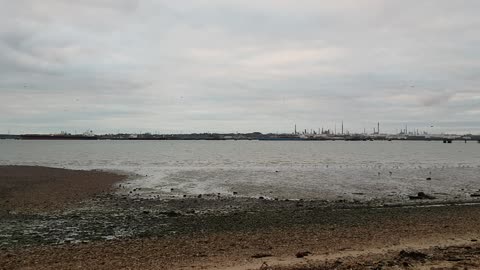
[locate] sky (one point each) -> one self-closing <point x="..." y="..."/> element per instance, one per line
<point x="239" y="66"/>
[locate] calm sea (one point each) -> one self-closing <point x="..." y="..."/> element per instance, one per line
<point x="294" y="170"/>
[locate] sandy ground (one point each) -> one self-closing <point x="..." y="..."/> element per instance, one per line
<point x="345" y="248"/>
<point x="256" y="234"/>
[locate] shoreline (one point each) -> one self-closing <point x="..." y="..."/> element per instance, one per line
<point x="106" y="230"/>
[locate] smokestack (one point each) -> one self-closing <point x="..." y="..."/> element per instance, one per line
<point x="295" y="129"/>
<point x="342" y="127"/>
<point x="378" y="127"/>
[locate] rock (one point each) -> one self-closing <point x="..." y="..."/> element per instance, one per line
<point x="261" y="255"/>
<point x="265" y="266"/>
<point x="302" y="254"/>
<point x="475" y="195"/>
<point x="199" y="196"/>
<point x="235" y="193"/>
<point x="422" y="196"/>
<point x="429" y="178"/>
<point x="425" y="196"/>
<point x="170" y="214"/>
<point x="414" y="255"/>
<point x="455" y="259"/>
<point x="261" y="197"/>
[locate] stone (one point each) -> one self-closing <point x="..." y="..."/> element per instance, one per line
<point x="261" y="255"/>
<point x="414" y="255"/>
<point x="302" y="254"/>
<point x="422" y="196"/>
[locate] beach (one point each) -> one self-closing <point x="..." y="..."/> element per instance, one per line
<point x="84" y="222"/>
<point x="239" y="135"/>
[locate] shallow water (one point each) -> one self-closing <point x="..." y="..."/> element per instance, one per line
<point x="294" y="170"/>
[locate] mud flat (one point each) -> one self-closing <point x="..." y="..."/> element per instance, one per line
<point x="33" y="188"/>
<point x="106" y="230"/>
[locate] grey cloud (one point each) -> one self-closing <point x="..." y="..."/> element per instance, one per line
<point x="243" y="65"/>
<point x="436" y="99"/>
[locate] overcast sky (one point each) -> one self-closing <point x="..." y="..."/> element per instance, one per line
<point x="227" y="65"/>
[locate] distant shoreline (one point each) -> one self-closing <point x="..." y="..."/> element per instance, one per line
<point x="249" y="136"/>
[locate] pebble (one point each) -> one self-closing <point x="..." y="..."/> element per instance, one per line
<point x="302" y="254"/>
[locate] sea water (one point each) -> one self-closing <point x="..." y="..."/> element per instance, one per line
<point x="328" y="170"/>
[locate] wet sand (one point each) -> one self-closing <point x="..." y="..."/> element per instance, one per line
<point x="32" y="188"/>
<point x="111" y="231"/>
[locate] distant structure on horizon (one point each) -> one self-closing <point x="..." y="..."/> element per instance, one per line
<point x="312" y="134"/>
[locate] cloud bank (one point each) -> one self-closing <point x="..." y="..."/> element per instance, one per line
<point x="227" y="66"/>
